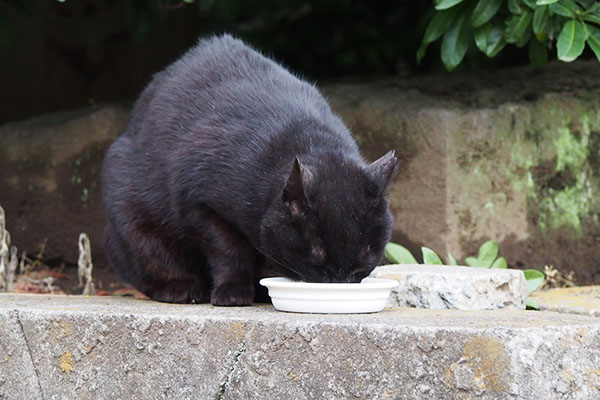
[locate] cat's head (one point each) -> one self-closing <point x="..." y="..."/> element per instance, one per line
<point x="330" y="221"/>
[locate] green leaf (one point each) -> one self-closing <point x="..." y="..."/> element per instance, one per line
<point x="535" y="279"/>
<point x="495" y="41"/>
<point x="540" y="18"/>
<point x="524" y="39"/>
<point x="554" y="26"/>
<point x="517" y="25"/>
<point x="571" y="41"/>
<point x="484" y="11"/>
<point x="543" y="2"/>
<point x="399" y="254"/>
<point x="586" y="31"/>
<point x="452" y="260"/>
<point x="500" y="263"/>
<point x="472" y="262"/>
<point x="430" y="257"/>
<point x="594" y="40"/>
<point x="594" y="9"/>
<point x="514" y="6"/>
<point x="592" y="18"/>
<point x="481" y="34"/>
<point x="538" y="53"/>
<point x="592" y="5"/>
<point x="455" y="43"/>
<point x="445" y="4"/>
<point x="487" y="253"/>
<point x="531" y="305"/>
<point x="562" y="9"/>
<point x="571" y="5"/>
<point x="439" y="24"/>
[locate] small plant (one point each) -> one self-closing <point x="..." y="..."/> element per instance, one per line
<point x="487" y="257"/>
<point x="85" y="265"/>
<point x="491" y="24"/>
<point x="558" y="279"/>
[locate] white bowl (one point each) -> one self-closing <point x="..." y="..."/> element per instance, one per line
<point x="370" y="295"/>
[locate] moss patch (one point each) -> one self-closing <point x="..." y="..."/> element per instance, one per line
<point x="570" y="195"/>
<point x="67" y="364"/>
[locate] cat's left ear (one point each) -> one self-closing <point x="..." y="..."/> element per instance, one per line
<point x="298" y="180"/>
<point x="383" y="171"/>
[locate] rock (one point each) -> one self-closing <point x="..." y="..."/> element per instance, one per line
<point x="110" y="348"/>
<point x="50" y="179"/>
<point x="455" y="287"/>
<point x="575" y="300"/>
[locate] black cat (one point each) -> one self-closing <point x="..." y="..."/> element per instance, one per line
<point x="232" y="169"/>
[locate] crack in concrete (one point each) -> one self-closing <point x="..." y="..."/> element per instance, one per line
<point x="241" y="349"/>
<point x="37" y="376"/>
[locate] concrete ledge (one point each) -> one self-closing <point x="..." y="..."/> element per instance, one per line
<point x="454" y="287"/>
<point x="576" y="300"/>
<point x="57" y="347"/>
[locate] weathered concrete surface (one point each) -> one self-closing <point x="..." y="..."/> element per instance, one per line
<point x="576" y="300"/>
<point x="18" y="375"/>
<point x="111" y="348"/>
<point x="455" y="287"/>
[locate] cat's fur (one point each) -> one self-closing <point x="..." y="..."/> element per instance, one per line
<point x="230" y="164"/>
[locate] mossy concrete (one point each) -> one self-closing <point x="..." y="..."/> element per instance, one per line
<point x="512" y="155"/>
<point x="59" y="347"/>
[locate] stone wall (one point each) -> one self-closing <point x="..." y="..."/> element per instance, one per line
<point x="510" y="155"/>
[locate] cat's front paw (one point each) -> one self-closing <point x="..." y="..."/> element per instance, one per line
<point x="229" y="294"/>
<point x="179" y="292"/>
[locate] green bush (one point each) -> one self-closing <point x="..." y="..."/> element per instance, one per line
<point x="492" y="24"/>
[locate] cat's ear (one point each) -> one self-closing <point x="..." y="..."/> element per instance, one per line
<point x="383" y="171"/>
<point x="295" y="187"/>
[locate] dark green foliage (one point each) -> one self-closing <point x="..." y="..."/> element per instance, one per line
<point x="317" y="39"/>
<point x="490" y="24"/>
<point x="333" y="38"/>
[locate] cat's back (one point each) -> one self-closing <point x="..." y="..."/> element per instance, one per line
<point x="222" y="82"/>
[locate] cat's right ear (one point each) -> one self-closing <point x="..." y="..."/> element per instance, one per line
<point x="294" y="191"/>
<point x="384" y="170"/>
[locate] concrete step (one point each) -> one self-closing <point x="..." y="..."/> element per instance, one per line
<point x="576" y="300"/>
<point x="60" y="347"/>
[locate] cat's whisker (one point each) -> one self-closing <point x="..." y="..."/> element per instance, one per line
<point x="279" y="262"/>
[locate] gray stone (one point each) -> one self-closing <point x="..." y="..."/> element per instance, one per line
<point x="18" y="378"/>
<point x="111" y="348"/>
<point x="455" y="287"/>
